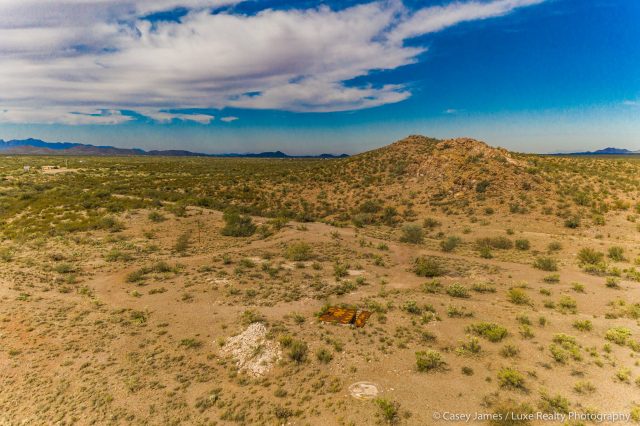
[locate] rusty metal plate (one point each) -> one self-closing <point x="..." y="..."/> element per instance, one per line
<point x="341" y="315"/>
<point x="362" y="318"/>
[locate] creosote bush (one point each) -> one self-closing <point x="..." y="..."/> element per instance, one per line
<point x="429" y="360"/>
<point x="412" y="234"/>
<point x="426" y="266"/>
<point x="237" y="225"/>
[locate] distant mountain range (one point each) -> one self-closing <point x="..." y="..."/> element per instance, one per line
<point x="605" y="151"/>
<point x="40" y="147"/>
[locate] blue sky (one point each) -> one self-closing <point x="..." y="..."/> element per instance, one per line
<point x="227" y="75"/>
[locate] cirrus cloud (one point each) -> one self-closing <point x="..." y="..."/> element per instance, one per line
<point x="84" y="61"/>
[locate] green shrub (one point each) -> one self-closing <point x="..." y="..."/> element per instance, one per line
<point x="155" y="216"/>
<point x="510" y="378"/>
<point x="429" y="360"/>
<point x="567" y="304"/>
<point x="237" y="225"/>
<point x="584" y="325"/>
<point x="490" y="331"/>
<point x="182" y="243"/>
<point x="509" y="351"/>
<point x="572" y="222"/>
<point x="554" y="246"/>
<point x="523" y="244"/>
<point x="426" y="266"/>
<point x="470" y="347"/>
<point x="390" y="410"/>
<point x="457" y="290"/>
<point x="618" y="335"/>
<point x="324" y="355"/>
<point x="433" y="286"/>
<point x="298" y="251"/>
<point x="589" y="256"/>
<point x="485" y="252"/>
<point x="500" y="243"/>
<point x="298" y="351"/>
<point x="616" y="253"/>
<point x="545" y="263"/>
<point x="450" y="244"/>
<point x="518" y="296"/>
<point x="483" y="288"/>
<point x="412" y="234"/>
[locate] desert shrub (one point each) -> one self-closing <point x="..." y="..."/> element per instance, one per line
<point x="509" y="351"/>
<point x="554" y="246"/>
<point x="6" y="254"/>
<point x="584" y="325"/>
<point x="324" y="355"/>
<point x="450" y="243"/>
<point x="457" y="290"/>
<point x="136" y="276"/>
<point x="485" y="252"/>
<point x="458" y="312"/>
<point x="340" y="269"/>
<point x="298" y="351"/>
<point x="412" y="307"/>
<point x="155" y="216"/>
<point x="589" y="256"/>
<point x="523" y="244"/>
<point x="584" y="387"/>
<point x="618" y="335"/>
<point x="567" y="304"/>
<point x="510" y="378"/>
<point x="612" y="282"/>
<point x="616" y="253"/>
<point x="552" y="278"/>
<point x="483" y="288"/>
<point x="490" y="331"/>
<point x="298" y="251"/>
<point x="64" y="268"/>
<point x="429" y="360"/>
<point x="470" y="347"/>
<point x="545" y="263"/>
<point x="412" y="234"/>
<point x="433" y="286"/>
<point x="237" y="225"/>
<point x="182" y="243"/>
<point x="572" y="222"/>
<point x="518" y="296"/>
<point x="389" y="410"/>
<point x="553" y="404"/>
<point x="426" y="266"/>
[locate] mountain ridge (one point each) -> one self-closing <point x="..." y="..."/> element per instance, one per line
<point x="603" y="151"/>
<point x="31" y="146"/>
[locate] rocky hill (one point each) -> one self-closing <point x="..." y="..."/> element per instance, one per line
<point x="443" y="169"/>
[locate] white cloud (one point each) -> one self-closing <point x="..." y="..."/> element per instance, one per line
<point x="57" y="58"/>
<point x="166" y="117"/>
<point x="229" y="119"/>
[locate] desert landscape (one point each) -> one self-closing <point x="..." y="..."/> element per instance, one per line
<point x="168" y="291"/>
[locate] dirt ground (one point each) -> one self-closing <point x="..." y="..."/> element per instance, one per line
<point x="97" y="348"/>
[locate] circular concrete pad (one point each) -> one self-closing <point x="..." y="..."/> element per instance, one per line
<point x="363" y="390"/>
